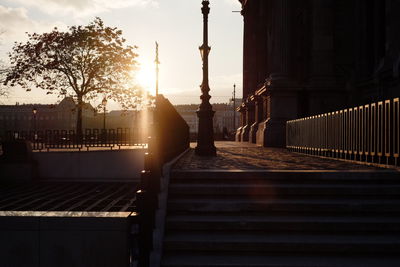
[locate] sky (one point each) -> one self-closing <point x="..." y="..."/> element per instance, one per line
<point x="175" y="24"/>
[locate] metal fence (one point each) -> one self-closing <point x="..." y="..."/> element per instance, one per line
<point x="69" y="139"/>
<point x="367" y="133"/>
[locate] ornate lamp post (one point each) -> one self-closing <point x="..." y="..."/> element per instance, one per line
<point x="104" y="103"/>
<point x="34" y="111"/>
<point x="234" y="107"/>
<point x="157" y="61"/>
<point x="205" y="137"/>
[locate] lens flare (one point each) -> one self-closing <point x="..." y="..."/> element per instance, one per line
<point x="146" y="77"/>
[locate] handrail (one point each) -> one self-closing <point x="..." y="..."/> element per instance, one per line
<point x="368" y="133"/>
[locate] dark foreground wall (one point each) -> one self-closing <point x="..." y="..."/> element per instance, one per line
<point x="70" y="239"/>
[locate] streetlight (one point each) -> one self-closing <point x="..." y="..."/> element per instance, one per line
<point x="157" y="61"/>
<point x="205" y="137"/>
<point x="104" y="103"/>
<point x="234" y="107"/>
<point x="34" y="111"/>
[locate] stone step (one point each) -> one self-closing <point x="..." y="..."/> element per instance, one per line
<point x="290" y="176"/>
<point x="271" y="205"/>
<point x="283" y="219"/>
<point x="265" y="189"/>
<point x="221" y="259"/>
<point x="290" y="243"/>
<point x="275" y="224"/>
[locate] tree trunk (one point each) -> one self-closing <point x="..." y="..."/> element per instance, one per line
<point x="79" y="118"/>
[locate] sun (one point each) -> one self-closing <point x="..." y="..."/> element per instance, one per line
<point x="146" y="76"/>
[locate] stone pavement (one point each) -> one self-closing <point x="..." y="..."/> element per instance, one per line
<point x="246" y="156"/>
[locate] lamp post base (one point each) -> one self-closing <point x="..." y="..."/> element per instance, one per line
<point x="206" y="151"/>
<point x="205" y="137"/>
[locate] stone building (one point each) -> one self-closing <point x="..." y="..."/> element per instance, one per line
<point x="62" y="116"/>
<point x="308" y="57"/>
<point x="223" y="116"/>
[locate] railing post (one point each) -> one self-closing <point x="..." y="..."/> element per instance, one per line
<point x="361" y="133"/>
<point x="367" y="132"/>
<point x="387" y="130"/>
<point x="380" y="133"/>
<point x="345" y="133"/>
<point x="373" y="144"/>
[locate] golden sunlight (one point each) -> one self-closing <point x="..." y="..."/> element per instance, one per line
<point x="146" y="77"/>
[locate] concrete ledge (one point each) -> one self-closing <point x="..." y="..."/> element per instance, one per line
<point x="80" y="239"/>
<point x="17" y="171"/>
<point x="103" y="165"/>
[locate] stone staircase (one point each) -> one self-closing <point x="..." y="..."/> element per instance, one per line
<point x="282" y="219"/>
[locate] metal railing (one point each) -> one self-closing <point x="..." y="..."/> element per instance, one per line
<point x="367" y="133"/>
<point x="69" y="139"/>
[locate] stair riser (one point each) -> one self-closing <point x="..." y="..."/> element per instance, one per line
<point x="337" y="214"/>
<point x="337" y="248"/>
<point x="309" y="208"/>
<point x="319" y="176"/>
<point x="277" y="182"/>
<point x="216" y="213"/>
<point x="274" y="227"/>
<point x="276" y="191"/>
<point x="304" y="197"/>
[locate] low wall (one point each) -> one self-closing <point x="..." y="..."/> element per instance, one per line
<point x="100" y="165"/>
<point x="79" y="239"/>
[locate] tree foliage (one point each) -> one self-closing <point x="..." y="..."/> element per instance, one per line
<point x="3" y="75"/>
<point x="84" y="61"/>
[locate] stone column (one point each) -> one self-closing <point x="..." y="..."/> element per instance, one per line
<point x="258" y="116"/>
<point x="279" y="40"/>
<point x="249" y="52"/>
<point x="265" y="116"/>
<point x="322" y="52"/>
<point x="238" y="135"/>
<point x="279" y="100"/>
<point x="249" y="115"/>
<point x="324" y="93"/>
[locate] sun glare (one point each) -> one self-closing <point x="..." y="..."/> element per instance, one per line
<point x="146" y="77"/>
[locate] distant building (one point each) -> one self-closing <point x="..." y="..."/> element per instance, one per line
<point x="63" y="116"/>
<point x="54" y="116"/>
<point x="223" y="116"/>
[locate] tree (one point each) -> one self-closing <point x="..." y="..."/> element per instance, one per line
<point x="3" y="88"/>
<point x="3" y="75"/>
<point x="84" y="61"/>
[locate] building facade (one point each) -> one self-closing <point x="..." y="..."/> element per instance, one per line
<point x="308" y="57"/>
<point x="40" y="117"/>
<point x="63" y="116"/>
<point x="223" y="117"/>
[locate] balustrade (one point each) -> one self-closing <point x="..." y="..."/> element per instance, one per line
<point x="368" y="133"/>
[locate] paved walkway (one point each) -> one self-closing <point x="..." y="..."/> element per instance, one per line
<point x="246" y="156"/>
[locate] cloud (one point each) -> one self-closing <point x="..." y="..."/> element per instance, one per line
<point x="14" y="22"/>
<point x="84" y="7"/>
